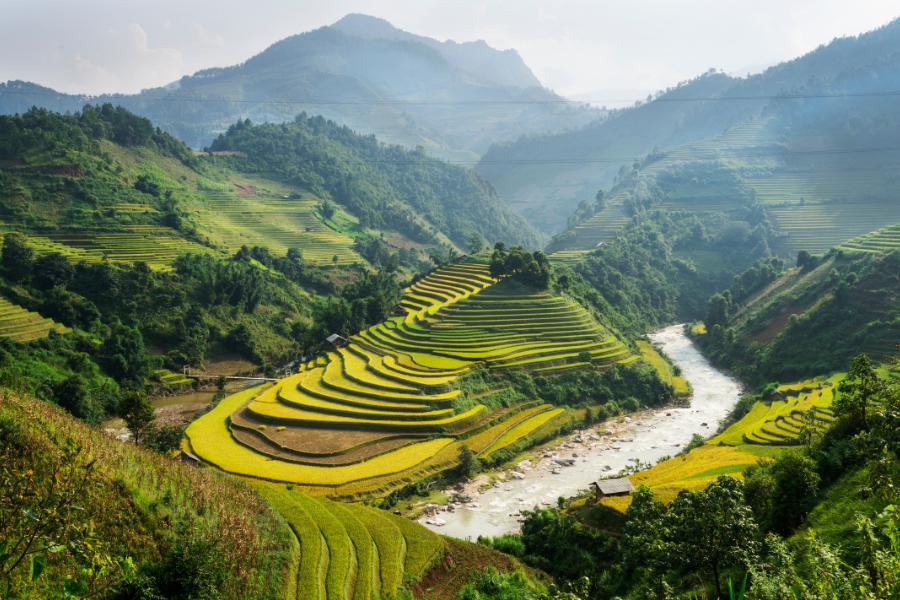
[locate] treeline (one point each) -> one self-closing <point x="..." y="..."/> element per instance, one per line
<point x="384" y="186"/>
<point x="41" y="130"/>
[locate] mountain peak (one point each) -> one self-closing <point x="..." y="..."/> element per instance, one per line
<point x="503" y="67"/>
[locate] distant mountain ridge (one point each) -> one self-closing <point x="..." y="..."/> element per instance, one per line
<point x="454" y="100"/>
<point x="504" y="67"/>
<point x="545" y="177"/>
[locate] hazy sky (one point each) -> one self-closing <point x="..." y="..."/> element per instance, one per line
<point x="573" y="46"/>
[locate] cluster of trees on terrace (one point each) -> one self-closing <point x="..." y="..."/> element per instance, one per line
<point x="384" y="186"/>
<point x="532" y="269"/>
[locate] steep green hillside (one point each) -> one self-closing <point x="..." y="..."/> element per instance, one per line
<point x="384" y="186"/>
<point x="113" y="520"/>
<point x="411" y="91"/>
<point x="810" y="320"/>
<point x="546" y="176"/>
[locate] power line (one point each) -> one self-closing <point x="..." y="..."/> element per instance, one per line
<point x="142" y="98"/>
<point x="566" y="161"/>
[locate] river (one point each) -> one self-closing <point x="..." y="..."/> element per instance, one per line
<point x="646" y="436"/>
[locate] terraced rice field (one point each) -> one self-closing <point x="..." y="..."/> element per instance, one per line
<point x="603" y="226"/>
<point x="778" y="422"/>
<point x="884" y="240"/>
<point x="815" y="184"/>
<point x="818" y="227"/>
<point x="231" y="222"/>
<point x="172" y="379"/>
<point x="385" y="409"/>
<point x="22" y="325"/>
<point x="156" y="246"/>
<point x="815" y="201"/>
<point x="352" y="552"/>
<point x="764" y="432"/>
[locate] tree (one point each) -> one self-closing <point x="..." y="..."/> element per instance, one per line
<point x="164" y="440"/>
<point x="714" y="528"/>
<point x="476" y="243"/>
<point x="126" y="357"/>
<point x="52" y="270"/>
<point x="860" y="388"/>
<point x="327" y="209"/>
<point x="137" y="412"/>
<point x="796" y="483"/>
<point x="468" y="462"/>
<point x="41" y="500"/>
<point x="646" y="546"/>
<point x="601" y="200"/>
<point x="717" y="309"/>
<point x="73" y="395"/>
<point x="16" y="257"/>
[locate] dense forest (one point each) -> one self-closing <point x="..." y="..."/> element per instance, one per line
<point x="385" y="186"/>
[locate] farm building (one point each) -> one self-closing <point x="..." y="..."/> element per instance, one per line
<point x="612" y="487"/>
<point x="187" y="457"/>
<point x="336" y="340"/>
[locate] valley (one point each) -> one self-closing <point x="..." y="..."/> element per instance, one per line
<point x="373" y="315"/>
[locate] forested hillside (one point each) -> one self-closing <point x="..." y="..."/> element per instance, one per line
<point x="542" y="174"/>
<point x="809" y="320"/>
<point x="125" y="255"/>
<point x="384" y="186"/>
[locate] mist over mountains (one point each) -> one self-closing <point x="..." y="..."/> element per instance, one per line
<point x="453" y="99"/>
<point x="544" y="177"/>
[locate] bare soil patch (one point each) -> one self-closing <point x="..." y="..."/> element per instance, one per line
<point x="308" y="440"/>
<point x="226" y="364"/>
<point x="776" y="325"/>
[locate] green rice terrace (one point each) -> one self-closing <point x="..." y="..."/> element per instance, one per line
<point x="231" y="222"/>
<point x="392" y="405"/>
<point x="816" y="202"/>
<point x="156" y="246"/>
<point x="228" y="222"/>
<point x="883" y="240"/>
<point x="22" y="325"/>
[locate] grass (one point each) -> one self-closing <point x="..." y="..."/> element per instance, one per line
<point x="141" y="503"/>
<point x="649" y="353"/>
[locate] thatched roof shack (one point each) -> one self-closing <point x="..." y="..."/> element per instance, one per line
<point x="612" y="487"/>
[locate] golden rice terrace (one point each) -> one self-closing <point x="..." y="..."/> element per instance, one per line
<point x="386" y="407"/>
